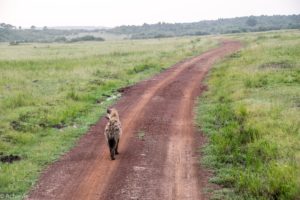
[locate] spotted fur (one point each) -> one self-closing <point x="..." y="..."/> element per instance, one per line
<point x="113" y="131"/>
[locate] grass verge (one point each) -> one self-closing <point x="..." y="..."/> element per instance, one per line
<point x="251" y="116"/>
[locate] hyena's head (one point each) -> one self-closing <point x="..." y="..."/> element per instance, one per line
<point x="112" y="114"/>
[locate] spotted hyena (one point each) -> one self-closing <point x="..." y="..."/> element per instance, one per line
<point x="113" y="131"/>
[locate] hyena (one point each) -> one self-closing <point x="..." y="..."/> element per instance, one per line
<point x="113" y="131"/>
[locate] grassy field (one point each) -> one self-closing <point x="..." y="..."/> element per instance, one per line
<point x="251" y="114"/>
<point x="51" y="93"/>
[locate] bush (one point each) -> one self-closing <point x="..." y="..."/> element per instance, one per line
<point x="13" y="43"/>
<point x="60" y="39"/>
<point x="86" y="38"/>
<point x="140" y="68"/>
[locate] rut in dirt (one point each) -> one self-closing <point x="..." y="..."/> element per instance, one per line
<point x="158" y="149"/>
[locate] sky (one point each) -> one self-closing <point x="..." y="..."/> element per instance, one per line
<point x="110" y="13"/>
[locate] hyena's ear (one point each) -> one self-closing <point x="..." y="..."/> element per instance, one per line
<point x="108" y="111"/>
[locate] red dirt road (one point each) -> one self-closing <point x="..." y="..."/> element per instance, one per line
<point x="163" y="164"/>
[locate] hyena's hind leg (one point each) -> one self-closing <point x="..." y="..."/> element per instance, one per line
<point x="117" y="152"/>
<point x="112" y="154"/>
<point x="112" y="148"/>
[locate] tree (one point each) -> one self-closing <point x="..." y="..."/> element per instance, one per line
<point x="32" y="27"/>
<point x="7" y="26"/>
<point x="251" y="21"/>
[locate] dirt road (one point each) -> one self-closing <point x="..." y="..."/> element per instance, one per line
<point x="158" y="149"/>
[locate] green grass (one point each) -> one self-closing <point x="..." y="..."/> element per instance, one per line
<point x="141" y="135"/>
<point x="251" y="116"/>
<point x="50" y="94"/>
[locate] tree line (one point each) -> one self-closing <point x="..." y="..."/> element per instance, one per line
<point x="16" y="35"/>
<point x="10" y="33"/>
<point x="206" y="27"/>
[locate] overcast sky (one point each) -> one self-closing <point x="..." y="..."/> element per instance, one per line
<point x="111" y="13"/>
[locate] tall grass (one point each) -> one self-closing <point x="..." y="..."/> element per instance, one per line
<point x="51" y="93"/>
<point x="251" y="116"/>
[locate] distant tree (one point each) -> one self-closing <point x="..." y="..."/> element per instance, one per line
<point x="45" y="28"/>
<point x="201" y="33"/>
<point x="251" y="21"/>
<point x="7" y="26"/>
<point x="86" y="38"/>
<point x="13" y="43"/>
<point x="20" y="27"/>
<point x="60" y="39"/>
<point x="32" y="27"/>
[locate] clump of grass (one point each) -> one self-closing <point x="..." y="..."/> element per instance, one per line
<point x="284" y="64"/>
<point x="256" y="81"/>
<point x="251" y="147"/>
<point x="72" y="94"/>
<point x="105" y="74"/>
<point x="236" y="55"/>
<point x="141" y="135"/>
<point x="142" y="67"/>
<point x="19" y="99"/>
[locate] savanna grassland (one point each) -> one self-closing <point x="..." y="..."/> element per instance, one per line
<point x="50" y="93"/>
<point x="251" y="114"/>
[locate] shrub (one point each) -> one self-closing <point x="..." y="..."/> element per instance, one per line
<point x="86" y="38"/>
<point x="140" y="68"/>
<point x="13" y="43"/>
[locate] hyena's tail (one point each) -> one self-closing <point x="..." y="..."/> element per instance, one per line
<point x="111" y="143"/>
